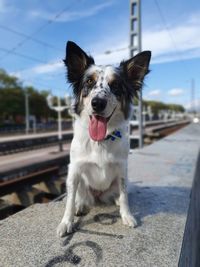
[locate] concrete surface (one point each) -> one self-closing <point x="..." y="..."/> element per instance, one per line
<point x="15" y="162"/>
<point x="161" y="177"/>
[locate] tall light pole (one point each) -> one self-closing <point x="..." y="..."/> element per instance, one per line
<point x="27" y="111"/>
<point x="193" y="104"/>
<point x="136" y="47"/>
<point x="59" y="108"/>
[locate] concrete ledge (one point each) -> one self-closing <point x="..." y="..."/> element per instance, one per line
<point x="191" y="246"/>
<point x="161" y="177"/>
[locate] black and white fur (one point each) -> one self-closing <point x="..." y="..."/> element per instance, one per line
<point x="98" y="169"/>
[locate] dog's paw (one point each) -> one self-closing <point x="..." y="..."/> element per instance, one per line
<point x="129" y="220"/>
<point x="64" y="228"/>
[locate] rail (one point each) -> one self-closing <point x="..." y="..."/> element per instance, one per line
<point x="17" y="184"/>
<point x="155" y="131"/>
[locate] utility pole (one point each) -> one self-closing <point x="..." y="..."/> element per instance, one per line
<point x="136" y="47"/>
<point x="193" y="104"/>
<point x="27" y="111"/>
<point x="59" y="108"/>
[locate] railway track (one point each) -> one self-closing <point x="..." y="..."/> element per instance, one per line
<point x="155" y="131"/>
<point x="19" y="183"/>
<point x="21" y="192"/>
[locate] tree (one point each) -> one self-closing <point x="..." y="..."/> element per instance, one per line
<point x="12" y="99"/>
<point x="175" y="107"/>
<point x="8" y="81"/>
<point x="156" y="106"/>
<point x="12" y="102"/>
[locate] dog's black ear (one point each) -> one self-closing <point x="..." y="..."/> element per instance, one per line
<point x="136" y="68"/>
<point x="76" y="61"/>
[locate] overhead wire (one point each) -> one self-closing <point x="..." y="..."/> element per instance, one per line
<point x="107" y="52"/>
<point x="50" y="45"/>
<point x="29" y="57"/>
<point x="29" y="37"/>
<point x="168" y="30"/>
<point x="171" y="37"/>
<point x="22" y="55"/>
<point x="32" y="38"/>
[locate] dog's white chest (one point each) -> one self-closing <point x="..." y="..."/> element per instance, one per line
<point x="99" y="177"/>
<point x="99" y="163"/>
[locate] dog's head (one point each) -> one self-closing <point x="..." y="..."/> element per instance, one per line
<point x="104" y="93"/>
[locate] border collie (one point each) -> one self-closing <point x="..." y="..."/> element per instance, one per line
<point x="98" y="158"/>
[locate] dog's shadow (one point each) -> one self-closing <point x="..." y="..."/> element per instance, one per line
<point x="150" y="200"/>
<point x="144" y="201"/>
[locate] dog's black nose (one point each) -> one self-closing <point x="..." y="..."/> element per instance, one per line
<point x="98" y="104"/>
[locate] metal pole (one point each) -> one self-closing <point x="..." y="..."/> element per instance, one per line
<point x="59" y="126"/>
<point x="140" y="92"/>
<point x="193" y="104"/>
<point x="136" y="46"/>
<point x="27" y="111"/>
<point x="141" y="130"/>
<point x="58" y="109"/>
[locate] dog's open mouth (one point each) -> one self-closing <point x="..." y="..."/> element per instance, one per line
<point x="98" y="127"/>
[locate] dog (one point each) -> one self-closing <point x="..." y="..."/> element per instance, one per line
<point x="103" y="98"/>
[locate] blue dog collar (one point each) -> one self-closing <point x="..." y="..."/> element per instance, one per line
<point x="114" y="136"/>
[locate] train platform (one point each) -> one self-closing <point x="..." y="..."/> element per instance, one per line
<point x="163" y="196"/>
<point x="22" y="160"/>
<point x="19" y="137"/>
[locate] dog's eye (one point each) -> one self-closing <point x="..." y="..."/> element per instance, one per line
<point x="114" y="85"/>
<point x="89" y="81"/>
<point x="115" y="88"/>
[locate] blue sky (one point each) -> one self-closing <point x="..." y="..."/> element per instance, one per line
<point x="173" y="36"/>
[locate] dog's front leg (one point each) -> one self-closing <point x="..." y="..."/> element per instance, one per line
<point x="127" y="217"/>
<point x="67" y="221"/>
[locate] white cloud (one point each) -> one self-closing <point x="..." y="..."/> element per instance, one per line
<point x="154" y="93"/>
<point x="186" y="36"/>
<point x="184" y="44"/>
<point x="47" y="68"/>
<point x="176" y="92"/>
<point x="51" y="67"/>
<point x="71" y="15"/>
<point x="180" y="42"/>
<point x="43" y="75"/>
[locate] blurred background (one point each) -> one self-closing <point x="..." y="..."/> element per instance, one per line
<point x="33" y="39"/>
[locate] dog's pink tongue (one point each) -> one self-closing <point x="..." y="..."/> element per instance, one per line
<point x="97" y="128"/>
